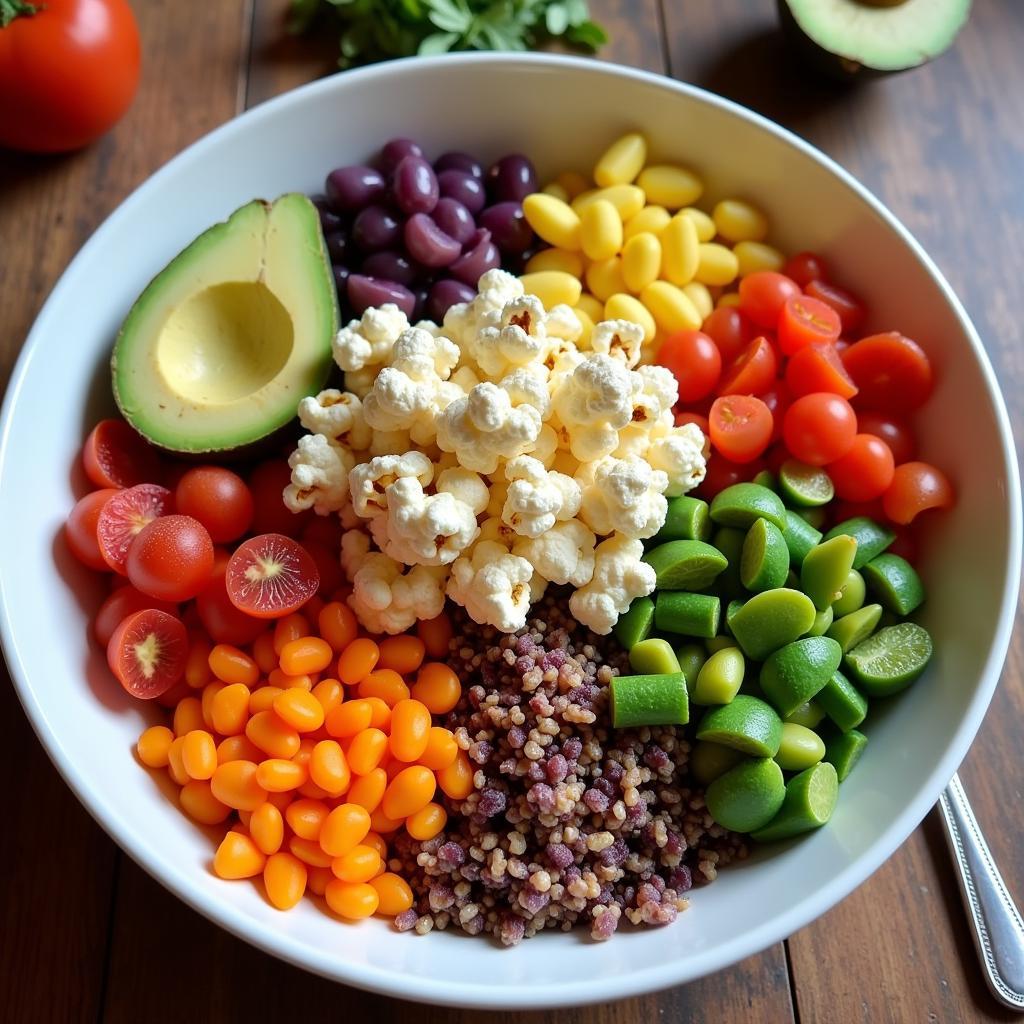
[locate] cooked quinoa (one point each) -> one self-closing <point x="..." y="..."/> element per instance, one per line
<point x="570" y="822"/>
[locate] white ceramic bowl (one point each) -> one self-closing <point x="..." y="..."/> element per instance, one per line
<point x="561" y="111"/>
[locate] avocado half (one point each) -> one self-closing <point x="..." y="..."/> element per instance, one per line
<point x="223" y="343"/>
<point x="863" y="38"/>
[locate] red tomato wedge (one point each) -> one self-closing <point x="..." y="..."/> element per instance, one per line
<point x="892" y="372"/>
<point x="741" y="427"/>
<point x="271" y="575"/>
<point x="865" y="471"/>
<point x="850" y="309"/>
<point x="916" y="487"/>
<point x="763" y="294"/>
<point x="147" y="653"/>
<point x="119" y="605"/>
<point x="753" y="372"/>
<point x="818" y="368"/>
<point x="125" y="516"/>
<point x="171" y="559"/>
<point x="115" y="456"/>
<point x="80" y="529"/>
<point x="806" y="321"/>
<point x="805" y="267"/>
<point x="730" y="330"/>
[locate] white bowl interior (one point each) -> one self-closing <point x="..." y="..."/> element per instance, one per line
<point x="561" y="112"/>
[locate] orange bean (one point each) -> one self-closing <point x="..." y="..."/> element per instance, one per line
<point x="410" y="791"/>
<point x="238" y="857"/>
<point x="153" y="746"/>
<point x="281" y="800"/>
<point x="386" y="684"/>
<point x="305" y="751"/>
<point x="201" y="805"/>
<point x="351" y="900"/>
<point x="318" y="879"/>
<point x="346" y="826"/>
<point x="456" y="781"/>
<point x="360" y="864"/>
<point x="402" y="653"/>
<point x="366" y="750"/>
<point x="238" y="748"/>
<point x="410" y="730"/>
<point x="357" y="660"/>
<point x="438" y="687"/>
<point x="377" y="843"/>
<point x="328" y="767"/>
<point x="263" y="699"/>
<point x="234" y="783"/>
<point x="306" y="818"/>
<point x="229" y="709"/>
<point x="209" y="694"/>
<point x="263" y="652"/>
<point x="188" y="715"/>
<point x="380" y="714"/>
<point x="277" y="775"/>
<point x="301" y="710"/>
<point x="441" y="749"/>
<point x="197" y="664"/>
<point x="286" y="682"/>
<point x="309" y="852"/>
<point x="291" y="627"/>
<point x="272" y="735"/>
<point x="199" y="754"/>
<point x="175" y="763"/>
<point x="311" y="791"/>
<point x="348" y="719"/>
<point x="329" y="693"/>
<point x="435" y="634"/>
<point x="232" y="665"/>
<point x="426" y="822"/>
<point x="307" y="654"/>
<point x="392" y="766"/>
<point x="382" y="824"/>
<point x="394" y="896"/>
<point x="368" y="790"/>
<point x="284" y="878"/>
<point x="266" y="826"/>
<point x="338" y="625"/>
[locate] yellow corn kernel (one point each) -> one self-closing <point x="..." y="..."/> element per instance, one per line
<point x="716" y="264"/>
<point x="702" y="222"/>
<point x="701" y="298"/>
<point x="641" y="261"/>
<point x="573" y="182"/>
<point x="587" y="326"/>
<point x="671" y="307"/>
<point x="604" y="278"/>
<point x="738" y="221"/>
<point x="650" y="218"/>
<point x="552" y="287"/>
<point x="556" y="259"/>
<point x="727" y="300"/>
<point x="556" y="222"/>
<point x="627" y="199"/>
<point x="670" y="186"/>
<point x="600" y="230"/>
<point x="621" y="306"/>
<point x="680" y="250"/>
<point x="556" y="190"/>
<point x="592" y="308"/>
<point x="622" y="161"/>
<point x="753" y="256"/>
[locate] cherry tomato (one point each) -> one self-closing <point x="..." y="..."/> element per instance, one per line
<point x="804" y="268"/>
<point x="778" y="400"/>
<point x="119" y="605"/>
<point x="865" y="471"/>
<point x="819" y="428"/>
<point x="218" y="498"/>
<point x="171" y="559"/>
<point x="915" y="487"/>
<point x="147" y="653"/>
<point x="818" y="368"/>
<point x="892" y="430"/>
<point x="806" y="321"/>
<point x="115" y="456"/>
<point x="741" y="427"/>
<point x="892" y="372"/>
<point x="722" y="473"/>
<point x="730" y="330"/>
<point x="328" y="565"/>
<point x="125" y="516"/>
<point x="267" y="482"/>
<point x="839" y="511"/>
<point x="682" y="418"/>
<point x="763" y="294"/>
<point x="219" y="617"/>
<point x="80" y="529"/>
<point x="850" y="309"/>
<point x="271" y="575"/>
<point x="695" y="363"/>
<point x="325" y="530"/>
<point x="753" y="372"/>
<point x="68" y="71"/>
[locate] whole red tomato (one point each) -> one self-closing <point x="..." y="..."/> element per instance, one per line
<point x="68" y="71"/>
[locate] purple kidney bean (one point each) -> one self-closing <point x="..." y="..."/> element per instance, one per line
<point x="351" y="188"/>
<point x="395" y="151"/>
<point x="445" y="294"/>
<point x="480" y="256"/>
<point x="428" y="244"/>
<point x="508" y="226"/>
<point x="390" y="265"/>
<point x="464" y="187"/>
<point x="415" y="186"/>
<point x="458" y="161"/>
<point x="341" y="276"/>
<point x="454" y="219"/>
<point x="337" y="245"/>
<point x="376" y="228"/>
<point x="364" y="292"/>
<point x="511" y="179"/>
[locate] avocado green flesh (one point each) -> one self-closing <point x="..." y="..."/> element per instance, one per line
<point x="880" y="38"/>
<point x="223" y="343"/>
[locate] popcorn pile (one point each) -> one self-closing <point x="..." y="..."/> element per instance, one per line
<point x="493" y="455"/>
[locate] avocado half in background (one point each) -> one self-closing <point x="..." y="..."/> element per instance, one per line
<point x="849" y="39"/>
<point x="218" y="350"/>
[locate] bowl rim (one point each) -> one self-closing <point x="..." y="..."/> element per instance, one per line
<point x="479" y="994"/>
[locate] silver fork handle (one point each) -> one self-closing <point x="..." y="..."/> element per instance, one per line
<point x="998" y="927"/>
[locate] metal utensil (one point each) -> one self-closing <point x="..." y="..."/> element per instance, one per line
<point x="998" y="927"/>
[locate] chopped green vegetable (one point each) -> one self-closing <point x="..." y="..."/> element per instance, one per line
<point x="650" y="700"/>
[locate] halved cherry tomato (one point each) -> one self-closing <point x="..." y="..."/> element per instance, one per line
<point x="171" y="559"/>
<point x="125" y="516"/>
<point x="695" y="363"/>
<point x="892" y="372"/>
<point x="80" y="529"/>
<point x="915" y="487"/>
<point x="218" y="498"/>
<point x="850" y="309"/>
<point x="219" y="617"/>
<point x="865" y="471"/>
<point x="741" y="427"/>
<point x="818" y="368"/>
<point x="115" y="456"/>
<point x="819" y="428"/>
<point x="763" y="294"/>
<point x="267" y="482"/>
<point x="753" y="372"/>
<point x="892" y="430"/>
<point x="806" y="321"/>
<point x="119" y="605"/>
<point x="804" y="268"/>
<point x="682" y="418"/>
<point x="271" y="575"/>
<point x="722" y="473"/>
<point x="730" y="330"/>
<point x="147" y="653"/>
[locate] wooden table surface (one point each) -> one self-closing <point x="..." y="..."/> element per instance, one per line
<point x="86" y="935"/>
